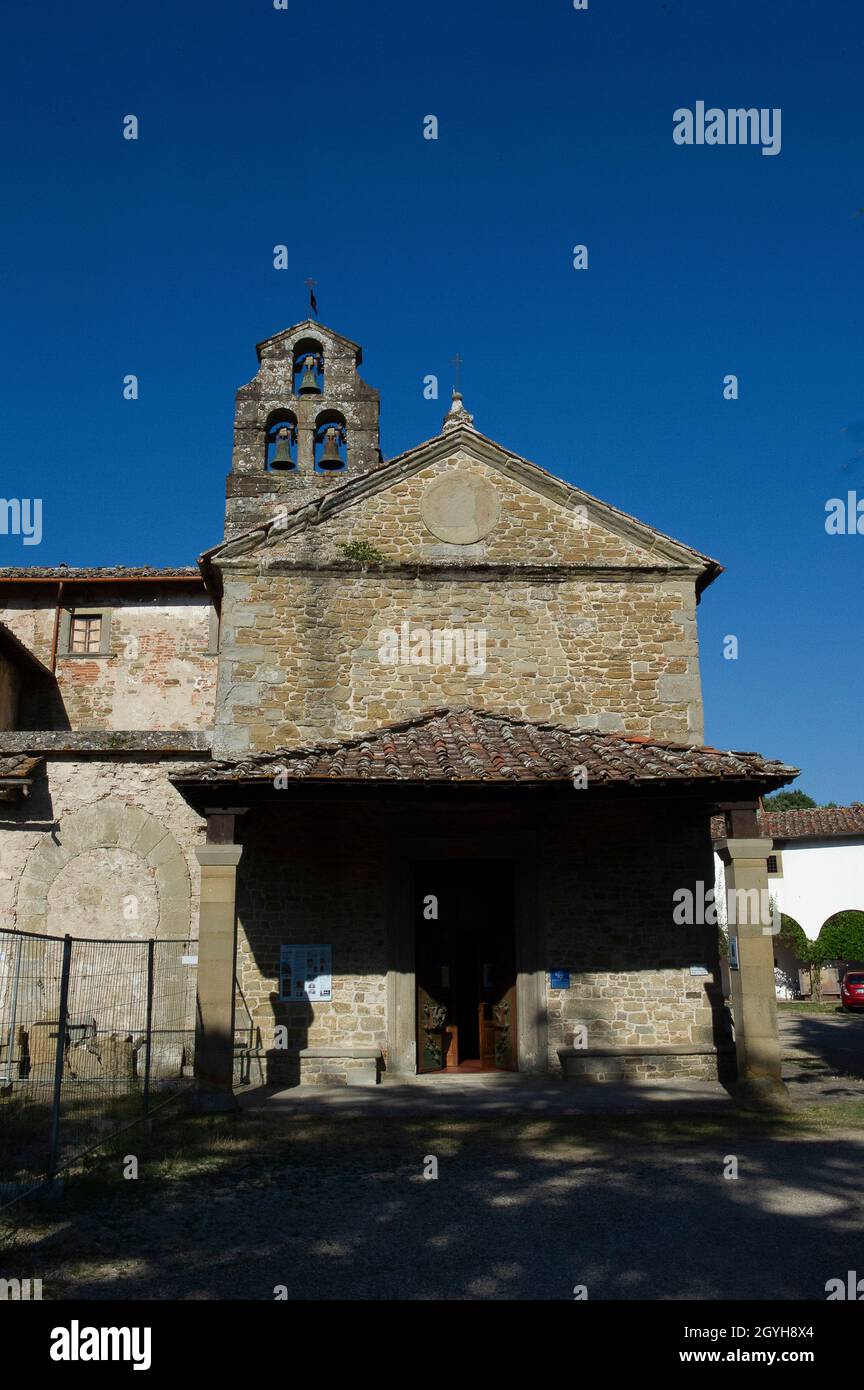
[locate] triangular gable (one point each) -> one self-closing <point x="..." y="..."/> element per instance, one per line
<point x="314" y="330"/>
<point x="463" y="446"/>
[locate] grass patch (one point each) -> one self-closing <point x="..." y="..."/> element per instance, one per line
<point x="844" y="1115"/>
<point x="24" y="1135"/>
<point x="804" y="1006"/>
<point x="86" y="1125"/>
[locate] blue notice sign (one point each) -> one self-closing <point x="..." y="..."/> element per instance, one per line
<point x="559" y="979"/>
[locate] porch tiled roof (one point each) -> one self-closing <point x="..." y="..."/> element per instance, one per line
<point x="21" y="766"/>
<point x="476" y="746"/>
<point x="16" y="774"/>
<point x="813" y="823"/>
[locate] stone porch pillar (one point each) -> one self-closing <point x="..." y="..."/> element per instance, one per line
<point x="217" y="949"/>
<point x="754" y="997"/>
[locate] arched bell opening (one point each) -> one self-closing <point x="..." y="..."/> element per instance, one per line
<point x="281" y="446"/>
<point x="308" y="376"/>
<point x="331" y="442"/>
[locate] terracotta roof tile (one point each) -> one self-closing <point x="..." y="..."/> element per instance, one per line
<point x="20" y="767"/>
<point x="816" y="821"/>
<point x="476" y="746"/>
<point x="812" y="823"/>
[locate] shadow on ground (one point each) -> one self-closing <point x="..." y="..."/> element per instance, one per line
<point x="338" y="1207"/>
<point x="823" y="1056"/>
<point x="495" y="1093"/>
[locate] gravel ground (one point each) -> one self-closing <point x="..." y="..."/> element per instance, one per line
<point x="330" y="1201"/>
<point x="518" y="1211"/>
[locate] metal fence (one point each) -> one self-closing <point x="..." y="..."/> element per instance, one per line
<point x="93" y="1035"/>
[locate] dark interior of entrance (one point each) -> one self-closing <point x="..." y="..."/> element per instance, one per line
<point x="465" y="966"/>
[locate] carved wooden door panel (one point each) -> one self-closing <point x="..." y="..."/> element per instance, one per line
<point x="504" y="1031"/>
<point x="431" y="1041"/>
<point x="497" y="1007"/>
<point x="437" y="1041"/>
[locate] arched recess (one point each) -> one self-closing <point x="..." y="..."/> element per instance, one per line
<point x="280" y="436"/>
<point x="331" y="441"/>
<point x="308" y="367"/>
<point x="114" y="873"/>
<point x="91" y="844"/>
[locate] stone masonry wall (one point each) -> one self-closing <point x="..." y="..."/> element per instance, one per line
<point x="531" y="529"/>
<point x="102" y="851"/>
<point x="609" y="909"/>
<point x="615" y="651"/>
<point x="160" y="672"/>
<point x="301" y="655"/>
<point x="305" y="881"/>
<point x="114" y="822"/>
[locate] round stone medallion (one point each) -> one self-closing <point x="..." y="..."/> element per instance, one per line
<point x="460" y="508"/>
<point x="104" y="893"/>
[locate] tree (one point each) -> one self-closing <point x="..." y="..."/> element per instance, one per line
<point x="789" y="801"/>
<point x="792" y="935"/>
<point x="842" y="936"/>
<point x="811" y="954"/>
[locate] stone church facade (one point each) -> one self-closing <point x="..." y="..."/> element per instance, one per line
<point x="416" y="752"/>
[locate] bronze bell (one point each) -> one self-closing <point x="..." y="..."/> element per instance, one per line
<point x="330" y="457"/>
<point x="282" y="457"/>
<point x="309" y="385"/>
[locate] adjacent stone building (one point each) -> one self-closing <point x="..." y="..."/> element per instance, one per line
<point x="426" y="737"/>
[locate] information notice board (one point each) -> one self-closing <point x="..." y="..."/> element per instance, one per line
<point x="306" y="972"/>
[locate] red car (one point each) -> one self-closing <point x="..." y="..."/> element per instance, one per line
<point x="852" y="990"/>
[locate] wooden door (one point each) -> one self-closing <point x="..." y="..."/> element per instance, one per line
<point x="437" y="1035"/>
<point x="497" y="1006"/>
<point x="504" y="1031"/>
<point x="465" y="968"/>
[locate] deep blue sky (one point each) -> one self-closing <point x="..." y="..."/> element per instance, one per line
<point x="260" y="126"/>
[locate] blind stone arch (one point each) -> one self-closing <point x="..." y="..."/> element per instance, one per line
<point x="108" y="824"/>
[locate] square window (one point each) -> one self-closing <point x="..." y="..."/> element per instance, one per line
<point x="85" y="633"/>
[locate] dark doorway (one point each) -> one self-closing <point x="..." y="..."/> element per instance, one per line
<point x="465" y="964"/>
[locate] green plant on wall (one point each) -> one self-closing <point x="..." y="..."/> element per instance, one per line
<point x="362" y="553"/>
